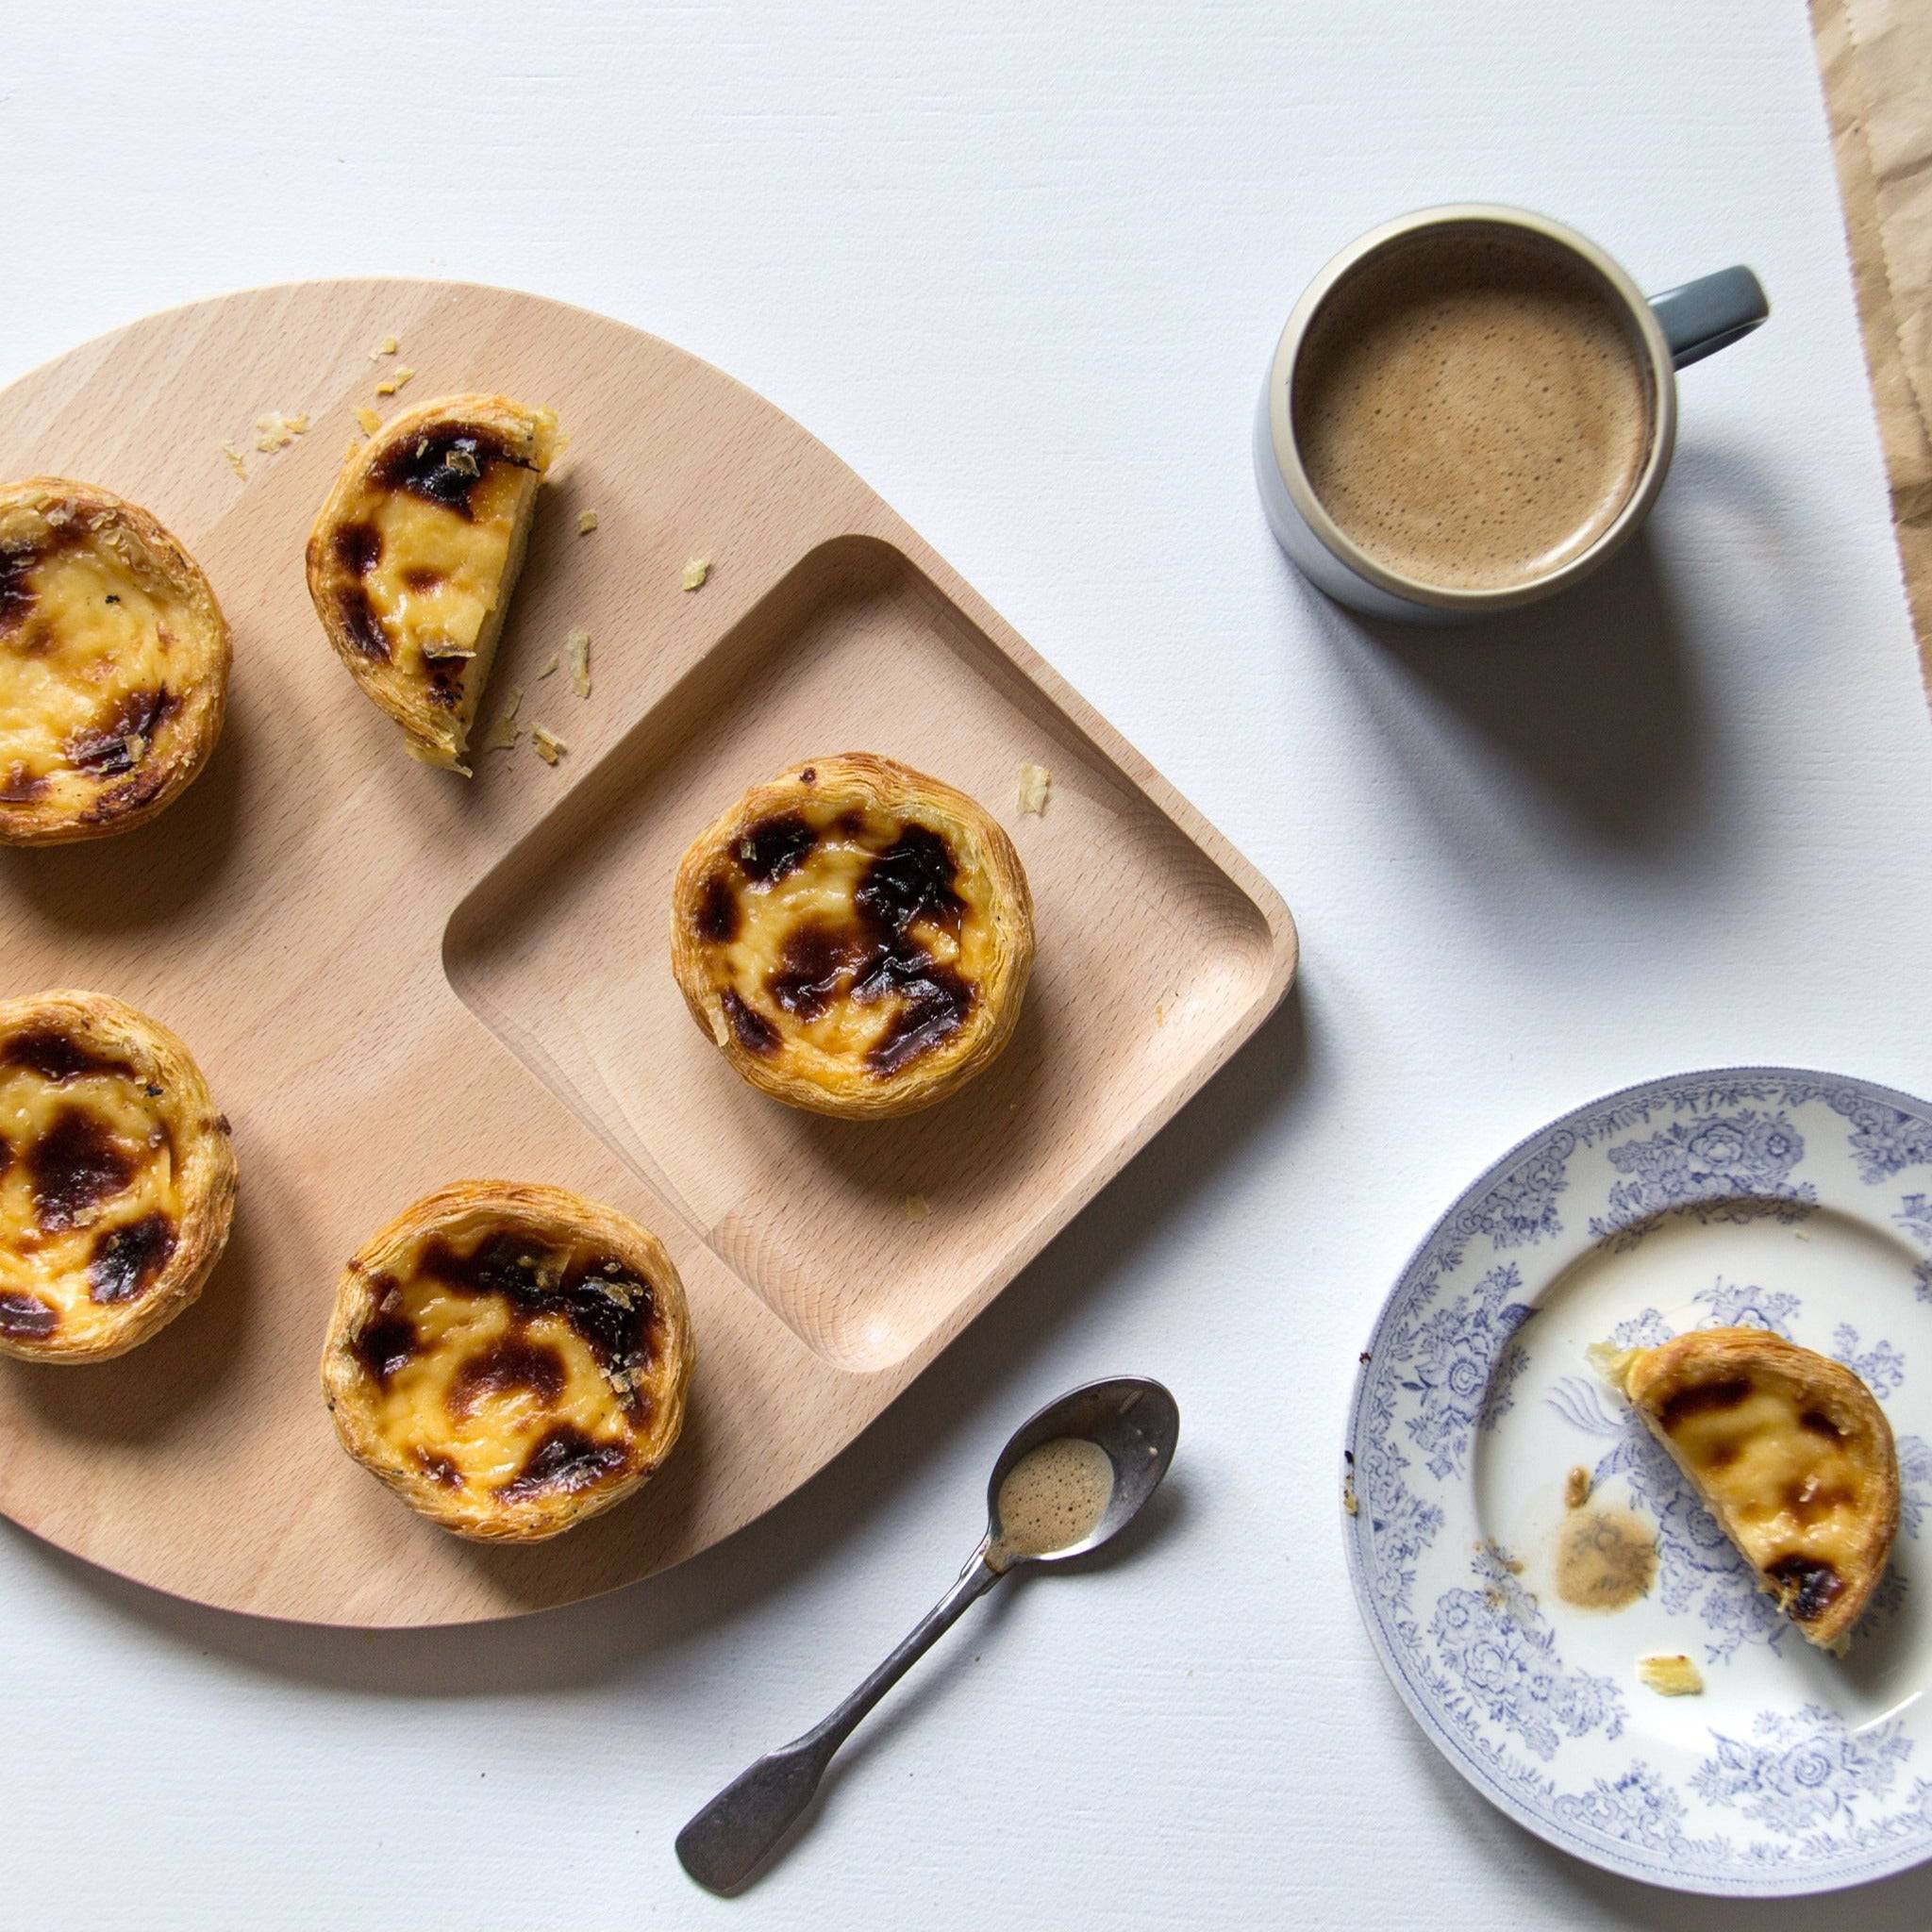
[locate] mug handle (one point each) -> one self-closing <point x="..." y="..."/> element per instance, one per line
<point x="1710" y="314"/>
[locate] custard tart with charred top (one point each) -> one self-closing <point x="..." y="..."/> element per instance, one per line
<point x="413" y="558"/>
<point x="855" y="937"/>
<point x="510" y="1360"/>
<point x="114" y="664"/>
<point x="1791" y="1454"/>
<point x="116" y="1177"/>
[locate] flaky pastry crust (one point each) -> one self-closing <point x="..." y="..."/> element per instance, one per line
<point x="510" y="1359"/>
<point x="116" y="1177"/>
<point x="1792" y="1455"/>
<point x="855" y="937"/>
<point x="114" y="661"/>
<point x="414" y="560"/>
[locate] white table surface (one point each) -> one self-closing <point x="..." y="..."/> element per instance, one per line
<point x="1024" y="277"/>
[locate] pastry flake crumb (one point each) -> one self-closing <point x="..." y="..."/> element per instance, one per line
<point x="549" y="670"/>
<point x="695" y="571"/>
<point x="504" y="730"/>
<point x="275" y="431"/>
<point x="233" y="456"/>
<point x="1348" y="1501"/>
<point x="403" y="377"/>
<point x="388" y="346"/>
<point x="548" y="747"/>
<point x="1036" y="784"/>
<point x="134" y="744"/>
<point x="368" y="420"/>
<point x="384" y="388"/>
<point x="587" y="522"/>
<point x="1672" y="1675"/>
<point x="578" y="649"/>
<point x="1576" y="1487"/>
<point x="917" y="1207"/>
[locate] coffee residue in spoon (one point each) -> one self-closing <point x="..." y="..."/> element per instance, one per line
<point x="1052" y="1498"/>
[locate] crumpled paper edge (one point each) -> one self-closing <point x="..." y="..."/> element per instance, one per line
<point x="1875" y="57"/>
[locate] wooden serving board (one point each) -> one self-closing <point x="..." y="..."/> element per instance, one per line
<point x="395" y="978"/>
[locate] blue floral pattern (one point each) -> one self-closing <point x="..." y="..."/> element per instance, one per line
<point x="1786" y="1797"/>
<point x="1723" y="1167"/>
<point x="1804" y="1770"/>
<point x="1495" y="1643"/>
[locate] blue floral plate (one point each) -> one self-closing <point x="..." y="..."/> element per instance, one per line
<point x="1793" y="1201"/>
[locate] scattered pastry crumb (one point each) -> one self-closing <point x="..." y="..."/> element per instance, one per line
<point x="388" y="346"/>
<point x="577" y="648"/>
<point x="549" y="747"/>
<point x="1500" y="1558"/>
<point x="1673" y="1675"/>
<point x="504" y="733"/>
<point x="587" y="522"/>
<point x="1036" y="783"/>
<point x="276" y="431"/>
<point x="917" y="1207"/>
<point x="385" y="389"/>
<point x="403" y="377"/>
<point x="369" y="420"/>
<point x="1576" y="1487"/>
<point x="1348" y="1501"/>
<point x="550" y="667"/>
<point x="1161" y="1016"/>
<point x="695" y="571"/>
<point x="134" y="744"/>
<point x="235" y="462"/>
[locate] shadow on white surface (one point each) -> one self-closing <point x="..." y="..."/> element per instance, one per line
<point x="976" y="1386"/>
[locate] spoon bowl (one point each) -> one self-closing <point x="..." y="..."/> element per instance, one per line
<point x="1132" y="1419"/>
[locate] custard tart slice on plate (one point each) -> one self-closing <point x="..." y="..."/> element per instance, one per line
<point x="510" y="1359"/>
<point x="854" y="936"/>
<point x="114" y="664"/>
<point x="1791" y="1454"/>
<point x="116" y="1177"/>
<point x="414" y="556"/>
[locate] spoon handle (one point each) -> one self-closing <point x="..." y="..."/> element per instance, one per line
<point x="722" y="1846"/>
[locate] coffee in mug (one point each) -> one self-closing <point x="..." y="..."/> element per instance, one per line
<point x="1472" y="406"/>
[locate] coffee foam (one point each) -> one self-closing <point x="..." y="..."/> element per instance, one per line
<point x="1471" y="408"/>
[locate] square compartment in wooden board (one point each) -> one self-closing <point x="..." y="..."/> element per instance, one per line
<point x="870" y="1240"/>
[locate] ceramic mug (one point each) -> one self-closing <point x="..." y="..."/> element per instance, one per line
<point x="1669" y="332"/>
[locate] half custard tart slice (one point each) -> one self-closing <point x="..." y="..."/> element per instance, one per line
<point x="413" y="558"/>
<point x="510" y="1360"/>
<point x="116" y="1177"/>
<point x="1791" y="1454"/>
<point x="114" y="664"/>
<point x="854" y="936"/>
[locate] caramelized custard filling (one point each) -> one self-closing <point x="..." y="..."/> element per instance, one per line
<point x="90" y="1193"/>
<point x="96" y="652"/>
<point x="1783" y="1475"/>
<point x="509" y="1365"/>
<point x="423" y="549"/>
<point x="852" y="934"/>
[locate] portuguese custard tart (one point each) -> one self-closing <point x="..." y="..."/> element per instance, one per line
<point x="855" y="937"/>
<point x="1790" y="1454"/>
<point x="413" y="558"/>
<point x="116" y="1177"/>
<point x="510" y="1360"/>
<point x="114" y="664"/>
